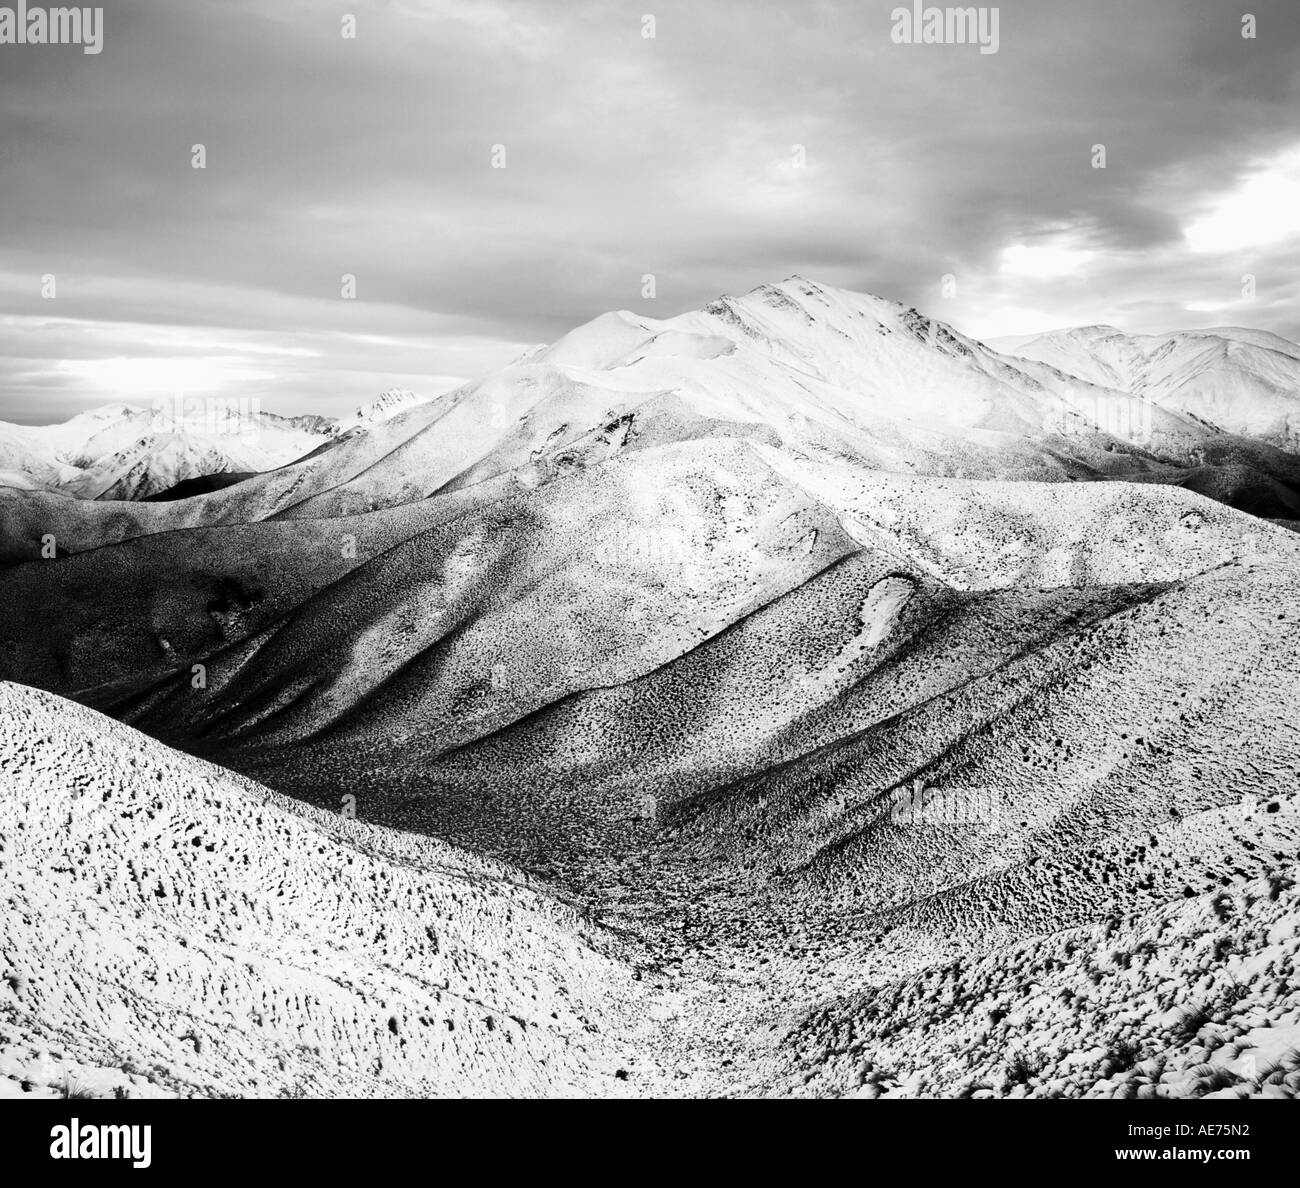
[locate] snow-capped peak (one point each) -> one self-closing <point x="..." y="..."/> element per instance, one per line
<point x="386" y="405"/>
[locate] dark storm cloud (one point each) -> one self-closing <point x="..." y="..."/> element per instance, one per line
<point x="625" y="156"/>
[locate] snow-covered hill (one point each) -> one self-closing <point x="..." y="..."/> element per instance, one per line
<point x="121" y="453"/>
<point x="386" y="405"/>
<point x="1244" y="381"/>
<point x="821" y="374"/>
<point x="1197" y="998"/>
<point x="698" y="619"/>
<point x="821" y="370"/>
<point x="173" y="930"/>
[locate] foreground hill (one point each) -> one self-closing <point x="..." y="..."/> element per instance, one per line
<point x="646" y="619"/>
<point x="1194" y="999"/>
<point x="172" y="929"/>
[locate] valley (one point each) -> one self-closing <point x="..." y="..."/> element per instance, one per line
<point x="792" y="697"/>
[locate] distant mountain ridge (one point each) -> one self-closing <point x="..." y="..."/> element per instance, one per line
<point x="1244" y="381"/>
<point x="121" y="452"/>
<point x="845" y="372"/>
<point x="386" y="405"/>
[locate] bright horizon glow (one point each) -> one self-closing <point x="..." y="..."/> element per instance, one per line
<point x="1263" y="209"/>
<point x="125" y="378"/>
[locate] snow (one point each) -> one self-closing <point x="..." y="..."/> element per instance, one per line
<point x="388" y="404"/>
<point x="1244" y="381"/>
<point x="173" y="930"/>
<point x="121" y="453"/>
<point x="663" y="622"/>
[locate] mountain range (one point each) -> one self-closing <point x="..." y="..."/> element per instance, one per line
<point x="837" y="666"/>
<point x="840" y="374"/>
<point x="174" y="449"/>
<point x="1243" y="381"/>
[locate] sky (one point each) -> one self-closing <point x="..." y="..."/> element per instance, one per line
<point x="743" y="142"/>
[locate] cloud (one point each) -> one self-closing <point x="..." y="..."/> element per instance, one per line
<point x="743" y="142"/>
<point x="1262" y="209"/>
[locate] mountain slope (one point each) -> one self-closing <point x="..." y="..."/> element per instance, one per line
<point x="174" y="930"/>
<point x="121" y="453"/>
<point x="1188" y="1000"/>
<point x="819" y="373"/>
<point x="1245" y="381"/>
<point x="386" y="405"/>
<point x="816" y="646"/>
